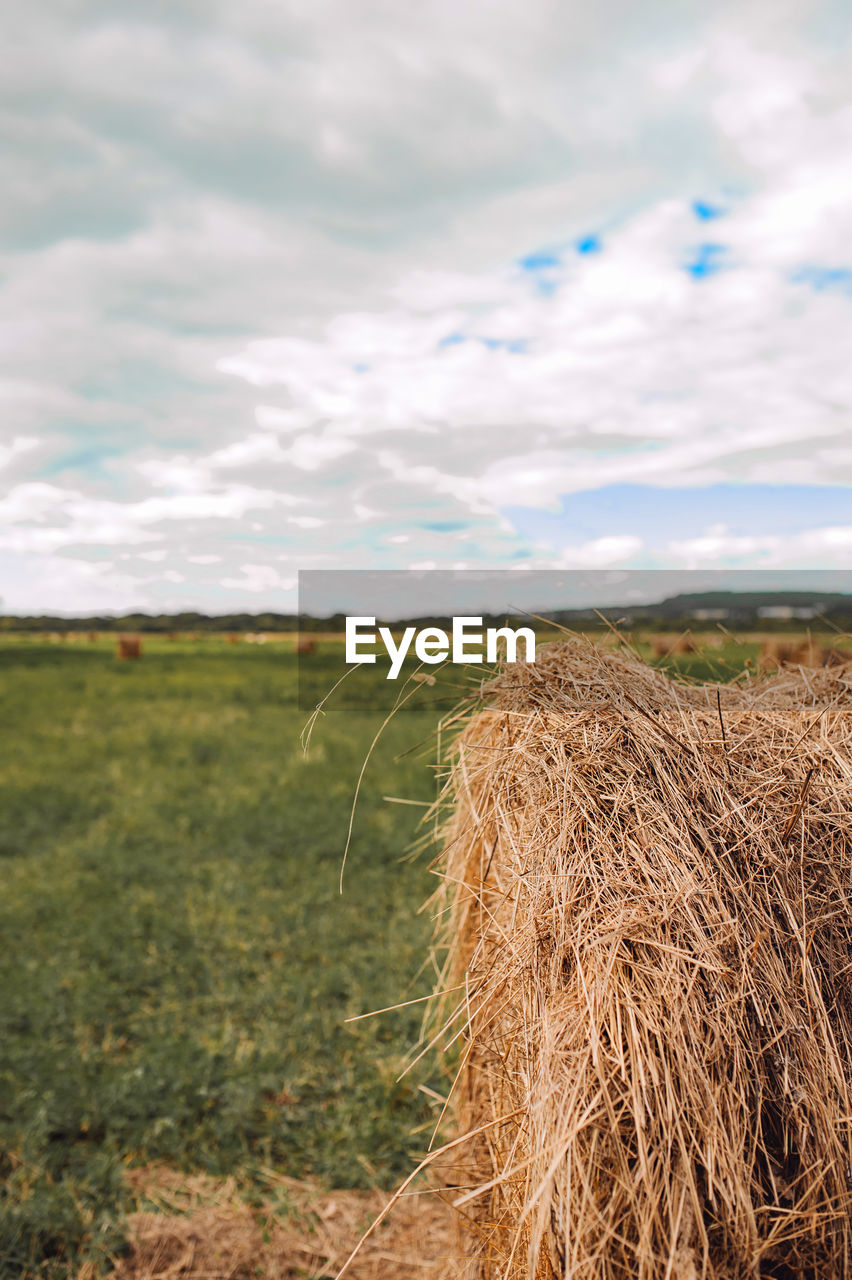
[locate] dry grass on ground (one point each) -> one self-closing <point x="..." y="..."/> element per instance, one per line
<point x="200" y="1228"/>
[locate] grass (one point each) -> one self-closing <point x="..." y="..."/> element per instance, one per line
<point x="178" y="962"/>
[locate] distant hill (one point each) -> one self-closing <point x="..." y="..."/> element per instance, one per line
<point x="766" y="609"/>
<point x="744" y="608"/>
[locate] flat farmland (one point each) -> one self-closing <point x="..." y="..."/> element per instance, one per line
<point x="177" y="959"/>
<point x="178" y="963"/>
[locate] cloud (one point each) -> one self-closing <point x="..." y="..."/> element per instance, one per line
<point x="810" y="549"/>
<point x="259" y="578"/>
<point x="636" y="365"/>
<point x="284" y="284"/>
<point x="39" y="582"/>
<point x="40" y="516"/>
<point x="14" y="449"/>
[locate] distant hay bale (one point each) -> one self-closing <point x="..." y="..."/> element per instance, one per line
<point x="775" y="652"/>
<point x="803" y="653"/>
<point x="233" y="638"/>
<point x="129" y="646"/>
<point x="664" y="646"/>
<point x="92" y="637"/>
<point x="305" y="644"/>
<point x="817" y="655"/>
<point x="649" y="893"/>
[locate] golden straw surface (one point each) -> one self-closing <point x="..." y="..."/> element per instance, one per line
<point x="649" y="903"/>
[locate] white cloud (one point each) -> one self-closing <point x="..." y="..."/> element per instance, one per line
<point x="306" y="522"/>
<point x="809" y="549"/>
<point x="39" y="516"/>
<point x="742" y="375"/>
<point x="36" y="583"/>
<point x="15" y="447"/>
<point x="257" y="578"/>
<point x="601" y="553"/>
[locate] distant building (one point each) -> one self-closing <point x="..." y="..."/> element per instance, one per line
<point x="785" y="612"/>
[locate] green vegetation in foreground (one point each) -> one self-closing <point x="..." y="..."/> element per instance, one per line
<point x="177" y="961"/>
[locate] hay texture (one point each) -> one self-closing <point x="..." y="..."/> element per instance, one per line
<point x="649" y="909"/>
<point x="197" y="1228"/>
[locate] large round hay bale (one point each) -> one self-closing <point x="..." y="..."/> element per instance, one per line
<point x="650" y="893"/>
<point x="305" y="644"/>
<point x="802" y="653"/>
<point x="129" y="647"/>
<point x="665" y="646"/>
<point x="812" y="654"/>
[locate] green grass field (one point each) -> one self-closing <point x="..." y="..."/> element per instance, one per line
<point x="177" y="961"/>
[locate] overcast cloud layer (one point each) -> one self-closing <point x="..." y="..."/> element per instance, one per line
<point x="369" y="284"/>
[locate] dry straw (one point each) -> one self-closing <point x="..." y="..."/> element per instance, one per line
<point x="649" y="905"/>
<point x="200" y="1228"/>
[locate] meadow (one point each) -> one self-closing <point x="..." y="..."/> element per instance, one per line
<point x="178" y="961"/>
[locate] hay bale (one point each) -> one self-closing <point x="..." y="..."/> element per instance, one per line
<point x="811" y="654"/>
<point x="775" y="652"/>
<point x="803" y="653"/>
<point x="665" y="646"/>
<point x="305" y="644"/>
<point x="651" y="917"/>
<point x="129" y="646"/>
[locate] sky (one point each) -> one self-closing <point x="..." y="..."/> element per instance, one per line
<point x="359" y="284"/>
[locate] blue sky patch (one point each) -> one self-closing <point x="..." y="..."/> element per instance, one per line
<point x="705" y="211"/>
<point x="89" y="459"/>
<point x="707" y="260"/>
<point x="444" y="526"/>
<point x="452" y="340"/>
<point x="659" y="516"/>
<point x="824" y="279"/>
<point x="588" y="244"/>
<point x="516" y="345"/>
<point x="540" y="260"/>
